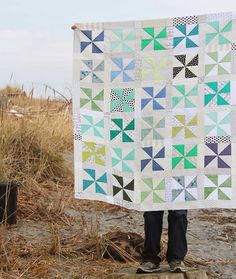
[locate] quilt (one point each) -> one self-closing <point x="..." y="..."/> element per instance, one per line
<point x="154" y="112"/>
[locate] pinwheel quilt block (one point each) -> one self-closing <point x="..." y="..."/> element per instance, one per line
<point x="154" y="112"/>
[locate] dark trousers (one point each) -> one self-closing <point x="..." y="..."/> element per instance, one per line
<point x="177" y="242"/>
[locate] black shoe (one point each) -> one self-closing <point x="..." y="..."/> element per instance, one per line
<point x="148" y="267"/>
<point x="177" y="266"/>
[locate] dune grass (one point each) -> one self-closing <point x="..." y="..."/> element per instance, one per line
<point x="33" y="144"/>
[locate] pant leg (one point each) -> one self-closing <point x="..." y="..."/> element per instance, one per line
<point x="153" y="228"/>
<point x="177" y="229"/>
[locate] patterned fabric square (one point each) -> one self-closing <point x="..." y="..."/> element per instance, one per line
<point x="184" y="96"/>
<point x="184" y="156"/>
<point x="77" y="137"/>
<point x="186" y="36"/>
<point x="92" y="99"/>
<point x="184" y="188"/>
<point x="153" y="159"/>
<point x="153" y="98"/>
<point x="154" y="68"/>
<point x="223" y="16"/>
<point x="153" y="127"/>
<point x="92" y="71"/>
<point x="123" y="188"/>
<point x="92" y="41"/>
<point x="123" y="159"/>
<point x="185" y="66"/>
<point x="233" y="46"/>
<point x="217" y="93"/>
<point x="218" y="63"/>
<point x="122" y="69"/>
<point x="122" y="40"/>
<point x="217" y="139"/>
<point x="184" y="126"/>
<point x="95" y="181"/>
<point x="122" y="130"/>
<point x="217" y="123"/>
<point x="153" y="190"/>
<point x="218" y="155"/>
<point x="217" y="187"/>
<point x="186" y="20"/>
<point x="93" y="153"/>
<point x="77" y="127"/>
<point x="218" y="32"/>
<point x="92" y="126"/>
<point x="122" y="100"/>
<point x="154" y="39"/>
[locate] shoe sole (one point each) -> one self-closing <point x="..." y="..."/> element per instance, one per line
<point x="142" y="271"/>
<point x="177" y="270"/>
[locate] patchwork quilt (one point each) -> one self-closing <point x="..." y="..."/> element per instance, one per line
<point x="154" y="110"/>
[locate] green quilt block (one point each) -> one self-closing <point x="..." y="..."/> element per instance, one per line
<point x="92" y="126"/>
<point x="93" y="153"/>
<point x="184" y="188"/>
<point x="153" y="127"/>
<point x="153" y="190"/>
<point x="217" y="187"/>
<point x="217" y="123"/>
<point x="218" y="63"/>
<point x="217" y="93"/>
<point x="218" y="32"/>
<point x="122" y="40"/>
<point x="184" y="126"/>
<point x="95" y="181"/>
<point x="185" y="95"/>
<point x="92" y="99"/>
<point x="122" y="130"/>
<point x="186" y="36"/>
<point x="123" y="159"/>
<point x="184" y="156"/>
<point x="122" y="100"/>
<point x="154" y="39"/>
<point x="154" y="68"/>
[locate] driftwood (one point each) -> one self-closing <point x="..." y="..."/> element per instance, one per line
<point x="131" y="243"/>
<point x="119" y="246"/>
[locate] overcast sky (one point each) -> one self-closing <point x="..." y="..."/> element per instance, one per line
<point x="36" y="40"/>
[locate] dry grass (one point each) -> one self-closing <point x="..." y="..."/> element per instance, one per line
<point x="32" y="146"/>
<point x="34" y="136"/>
<point x="13" y="91"/>
<point x="216" y="216"/>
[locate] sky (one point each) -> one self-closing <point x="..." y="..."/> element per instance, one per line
<point x="36" y="42"/>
